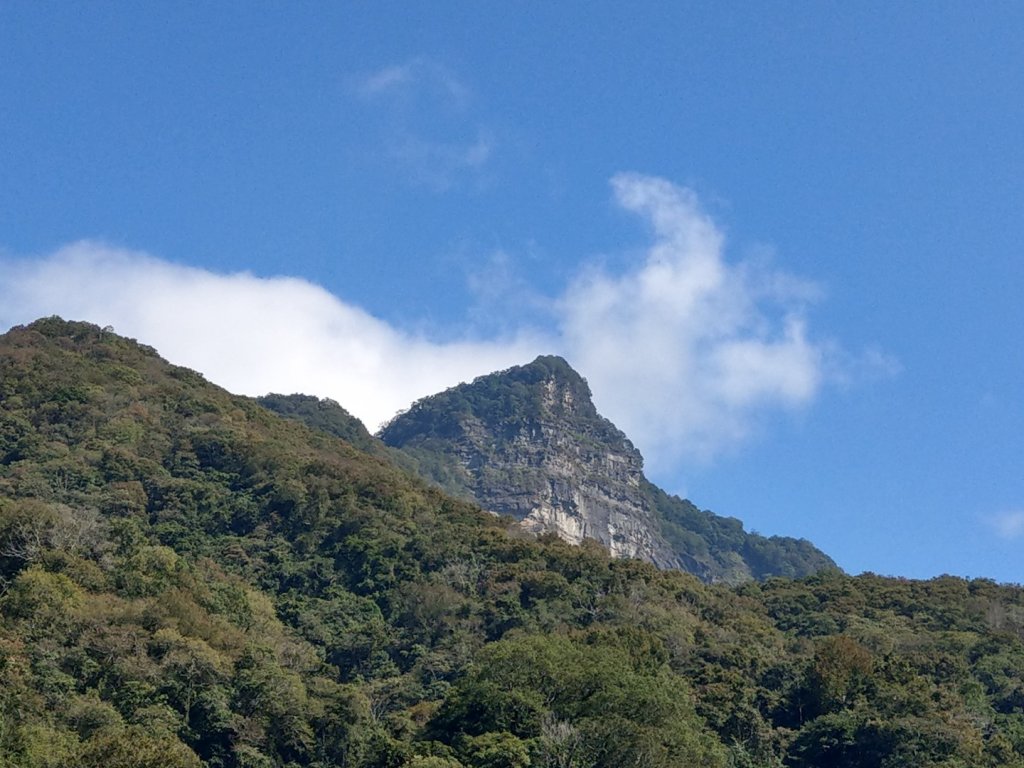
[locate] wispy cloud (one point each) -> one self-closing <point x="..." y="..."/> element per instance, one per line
<point x="432" y="135"/>
<point x="439" y="165"/>
<point x="1008" y="525"/>
<point x="419" y="77"/>
<point x="684" y="350"/>
<point x="384" y="80"/>
<point x="503" y="299"/>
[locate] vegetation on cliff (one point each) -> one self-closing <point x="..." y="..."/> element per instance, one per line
<point x="189" y="579"/>
<point x="495" y="439"/>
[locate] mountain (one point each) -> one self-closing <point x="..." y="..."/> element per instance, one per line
<point x="529" y="442"/>
<point x="326" y="415"/>
<point x="188" y="579"/>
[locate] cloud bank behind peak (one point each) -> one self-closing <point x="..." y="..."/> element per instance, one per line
<point x="683" y="350"/>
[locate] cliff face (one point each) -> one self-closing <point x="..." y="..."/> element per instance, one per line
<point x="562" y="469"/>
<point x="528" y="442"/>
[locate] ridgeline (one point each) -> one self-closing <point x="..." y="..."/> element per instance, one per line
<point x="189" y="579"/>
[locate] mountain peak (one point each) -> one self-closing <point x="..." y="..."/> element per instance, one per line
<point x="547" y="366"/>
<point x="516" y="400"/>
<point x="529" y="442"/>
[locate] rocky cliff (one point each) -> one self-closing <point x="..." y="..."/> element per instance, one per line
<point x="528" y="442"/>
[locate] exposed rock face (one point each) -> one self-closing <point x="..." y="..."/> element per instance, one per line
<point x="576" y="482"/>
<point x="529" y="443"/>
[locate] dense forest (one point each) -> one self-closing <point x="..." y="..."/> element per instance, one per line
<point x="188" y="579"/>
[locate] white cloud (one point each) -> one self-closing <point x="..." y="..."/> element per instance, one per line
<point x="684" y="351"/>
<point x="384" y="80"/>
<point x="251" y="335"/>
<point x="431" y="136"/>
<point x="437" y="164"/>
<point x="420" y="76"/>
<point x="1009" y="525"/>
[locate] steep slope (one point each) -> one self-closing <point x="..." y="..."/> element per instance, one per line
<point x="185" y="576"/>
<point x="528" y="442"/>
<point x="326" y="415"/>
<point x="187" y="579"/>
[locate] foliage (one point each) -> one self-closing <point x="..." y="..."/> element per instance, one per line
<point x="469" y="439"/>
<point x="326" y="415"/>
<point x="188" y="579"/>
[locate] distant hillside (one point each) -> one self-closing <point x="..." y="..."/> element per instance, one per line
<point x="188" y="579"/>
<point x="528" y="442"/>
<point x="326" y="415"/>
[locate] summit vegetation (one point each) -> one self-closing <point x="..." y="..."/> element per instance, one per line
<point x="188" y="579"/>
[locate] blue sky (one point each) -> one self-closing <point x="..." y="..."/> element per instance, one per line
<point x="782" y="243"/>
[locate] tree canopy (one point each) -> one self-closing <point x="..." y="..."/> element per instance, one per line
<point x="187" y="579"/>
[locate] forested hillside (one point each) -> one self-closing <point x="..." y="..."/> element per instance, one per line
<point x="188" y="579"/>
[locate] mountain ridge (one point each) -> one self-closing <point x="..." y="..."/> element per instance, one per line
<point x="529" y="442"/>
<point x="188" y="579"/>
